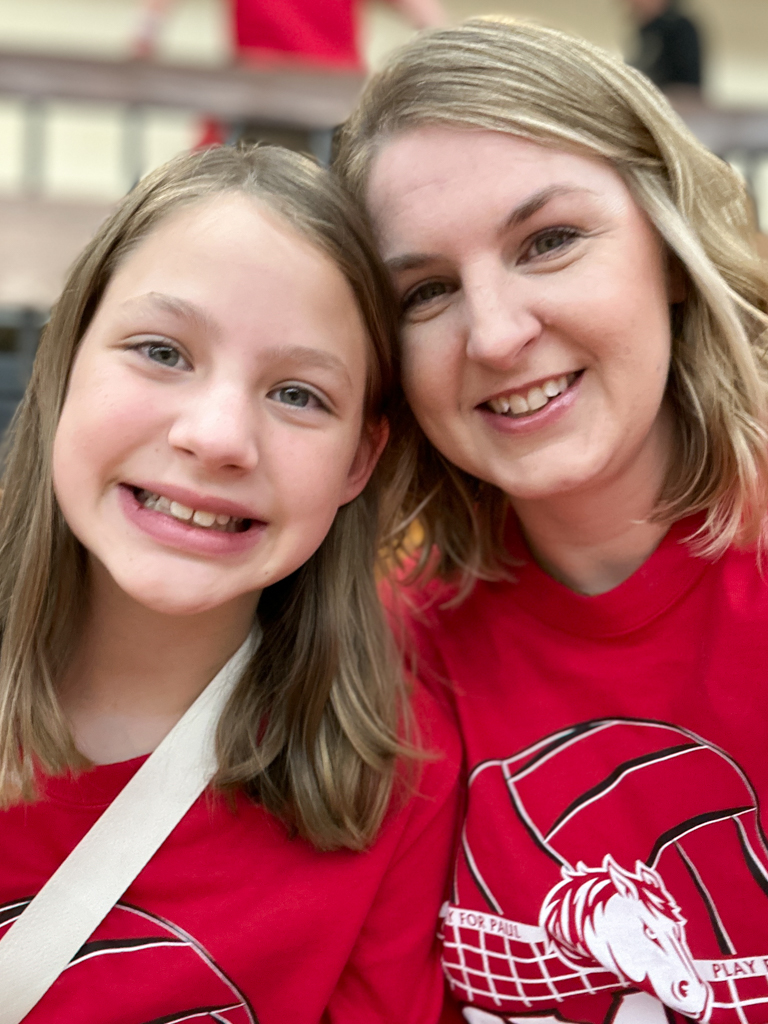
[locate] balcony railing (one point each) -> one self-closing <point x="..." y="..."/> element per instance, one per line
<point x="275" y="97"/>
<point x="308" y="101"/>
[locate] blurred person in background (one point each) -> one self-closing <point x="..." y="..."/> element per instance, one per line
<point x="299" y="33"/>
<point x="667" y="46"/>
<point x="296" y="31"/>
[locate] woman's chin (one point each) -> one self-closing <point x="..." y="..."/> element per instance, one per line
<point x="545" y="486"/>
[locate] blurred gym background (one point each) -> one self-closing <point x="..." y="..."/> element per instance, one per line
<point x="94" y="93"/>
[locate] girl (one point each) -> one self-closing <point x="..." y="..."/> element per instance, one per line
<point x="194" y="458"/>
<point x="584" y="349"/>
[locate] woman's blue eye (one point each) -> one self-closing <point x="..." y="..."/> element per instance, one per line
<point x="166" y="355"/>
<point x="550" y="241"/>
<point x="424" y="293"/>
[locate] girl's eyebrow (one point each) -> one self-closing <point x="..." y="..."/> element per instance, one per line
<point x="176" y="306"/>
<point x="306" y="355"/>
<point x="521" y="213"/>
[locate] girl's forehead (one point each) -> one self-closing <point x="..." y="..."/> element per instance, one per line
<point x="237" y="219"/>
<point x="229" y="242"/>
<point x="231" y="272"/>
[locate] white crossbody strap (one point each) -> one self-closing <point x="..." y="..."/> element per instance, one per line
<point x="78" y="896"/>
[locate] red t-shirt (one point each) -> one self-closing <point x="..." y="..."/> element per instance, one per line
<point x="320" y="32"/>
<point x="614" y="851"/>
<point x="235" y="921"/>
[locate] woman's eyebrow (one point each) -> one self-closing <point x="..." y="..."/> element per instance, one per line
<point x="538" y="200"/>
<point x="521" y="213"/>
<point x="410" y="261"/>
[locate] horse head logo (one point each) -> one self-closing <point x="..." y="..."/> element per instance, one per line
<point x="629" y="924"/>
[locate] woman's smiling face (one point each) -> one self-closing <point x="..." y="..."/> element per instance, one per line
<point x="535" y="302"/>
<point x="213" y="422"/>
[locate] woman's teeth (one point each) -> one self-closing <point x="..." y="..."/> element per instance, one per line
<point x="517" y="404"/>
<point x="208" y="520"/>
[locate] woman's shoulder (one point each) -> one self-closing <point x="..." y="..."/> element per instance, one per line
<point x="434" y="724"/>
<point x="427" y="791"/>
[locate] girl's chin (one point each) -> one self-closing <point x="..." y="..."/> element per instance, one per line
<point x="181" y="595"/>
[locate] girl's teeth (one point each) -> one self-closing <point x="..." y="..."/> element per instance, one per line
<point x="204" y="518"/>
<point x="181" y="511"/>
<point x="536" y="399"/>
<point x="159" y="503"/>
<point x="551" y="389"/>
<point x="518" y="405"/>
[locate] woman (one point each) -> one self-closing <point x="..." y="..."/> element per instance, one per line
<point x="583" y="324"/>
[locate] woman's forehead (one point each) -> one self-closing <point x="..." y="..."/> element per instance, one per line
<point x="443" y="176"/>
<point x="439" y="155"/>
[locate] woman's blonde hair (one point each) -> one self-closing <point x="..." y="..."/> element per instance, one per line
<point x="558" y="90"/>
<point x="312" y="729"/>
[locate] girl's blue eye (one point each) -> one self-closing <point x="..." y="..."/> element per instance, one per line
<point x="296" y="397"/>
<point x="166" y="355"/>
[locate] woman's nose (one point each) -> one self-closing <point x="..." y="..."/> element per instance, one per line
<point x="501" y="321"/>
<point x="217" y="425"/>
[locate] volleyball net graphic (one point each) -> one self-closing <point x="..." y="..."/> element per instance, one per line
<point x="509" y="965"/>
<point x="690" y="874"/>
<point x="512" y="968"/>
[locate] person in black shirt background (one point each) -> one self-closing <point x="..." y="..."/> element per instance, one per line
<point x="668" y="44"/>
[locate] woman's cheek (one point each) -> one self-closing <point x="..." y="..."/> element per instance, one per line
<point x="425" y="361"/>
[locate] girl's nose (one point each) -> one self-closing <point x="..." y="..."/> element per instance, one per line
<point x="501" y="321"/>
<point x="217" y="425"/>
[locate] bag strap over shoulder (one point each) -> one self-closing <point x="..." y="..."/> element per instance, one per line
<point x="79" y="895"/>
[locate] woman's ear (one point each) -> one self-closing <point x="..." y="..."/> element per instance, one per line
<point x="372" y="441"/>
<point x="677" y="280"/>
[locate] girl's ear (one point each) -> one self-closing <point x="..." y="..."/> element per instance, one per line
<point x="372" y="441"/>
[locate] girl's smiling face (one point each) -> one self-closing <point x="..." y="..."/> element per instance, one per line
<point x="535" y="301"/>
<point x="213" y="422"/>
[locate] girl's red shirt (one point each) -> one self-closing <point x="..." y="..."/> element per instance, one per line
<point x="236" y="921"/>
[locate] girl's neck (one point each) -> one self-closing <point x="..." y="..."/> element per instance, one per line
<point x="595" y="538"/>
<point x="134" y="672"/>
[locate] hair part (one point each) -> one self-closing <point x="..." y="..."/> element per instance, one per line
<point x="509" y="76"/>
<point x="313" y="729"/>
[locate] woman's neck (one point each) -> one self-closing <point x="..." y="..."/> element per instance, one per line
<point x="134" y="672"/>
<point x="595" y="538"/>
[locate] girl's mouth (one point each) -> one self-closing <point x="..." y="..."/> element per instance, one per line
<point x="220" y="523"/>
<point x="518" y="404"/>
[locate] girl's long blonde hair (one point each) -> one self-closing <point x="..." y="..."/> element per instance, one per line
<point x="558" y="90"/>
<point x="312" y="730"/>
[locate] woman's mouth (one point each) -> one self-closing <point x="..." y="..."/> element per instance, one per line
<point x="524" y="402"/>
<point x="192" y="517"/>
